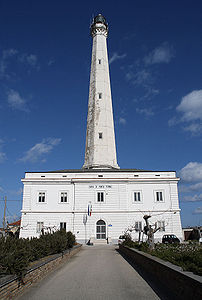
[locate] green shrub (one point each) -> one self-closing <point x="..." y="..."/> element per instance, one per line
<point x="187" y="256"/>
<point x="16" y="254"/>
<point x="70" y="239"/>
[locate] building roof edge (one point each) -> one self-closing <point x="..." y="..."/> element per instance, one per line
<point x="99" y="171"/>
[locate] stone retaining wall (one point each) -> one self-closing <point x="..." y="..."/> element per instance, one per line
<point x="14" y="287"/>
<point x="184" y="285"/>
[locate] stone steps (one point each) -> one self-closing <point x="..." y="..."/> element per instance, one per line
<point x="98" y="242"/>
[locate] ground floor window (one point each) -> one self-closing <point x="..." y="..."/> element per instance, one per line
<point x="39" y="227"/>
<point x="138" y="226"/>
<point x="63" y="225"/>
<point x="161" y="225"/>
<point x="101" y="230"/>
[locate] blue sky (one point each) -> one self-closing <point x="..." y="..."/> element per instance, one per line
<point x="155" y="54"/>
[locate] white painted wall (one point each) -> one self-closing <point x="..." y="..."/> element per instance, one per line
<point x="118" y="210"/>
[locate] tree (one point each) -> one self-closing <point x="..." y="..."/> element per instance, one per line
<point x="149" y="231"/>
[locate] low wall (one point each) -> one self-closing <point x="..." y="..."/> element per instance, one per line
<point x="14" y="287"/>
<point x="184" y="285"/>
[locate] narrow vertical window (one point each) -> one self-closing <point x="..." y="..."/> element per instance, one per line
<point x="138" y="226"/>
<point x="63" y="197"/>
<point x="39" y="227"/>
<point x="100" y="135"/>
<point x="100" y="197"/>
<point x="41" y="197"/>
<point x="160" y="225"/>
<point x="63" y="225"/>
<point x="99" y="61"/>
<point x="137" y="197"/>
<point x="100" y="95"/>
<point x="159" y="196"/>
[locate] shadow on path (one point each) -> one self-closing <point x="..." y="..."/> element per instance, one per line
<point x="161" y="290"/>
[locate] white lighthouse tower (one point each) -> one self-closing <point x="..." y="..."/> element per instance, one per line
<point x="100" y="138"/>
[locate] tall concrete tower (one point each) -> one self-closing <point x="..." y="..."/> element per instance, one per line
<point x="100" y="149"/>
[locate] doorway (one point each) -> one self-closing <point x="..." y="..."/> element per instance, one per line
<point x="101" y="230"/>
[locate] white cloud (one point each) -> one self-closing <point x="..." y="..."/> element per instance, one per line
<point x="150" y="92"/>
<point x="38" y="150"/>
<point x="4" y="59"/>
<point x="196" y="186"/>
<point x="16" y="192"/>
<point x="192" y="198"/>
<point x="145" y="111"/>
<point x="142" y="77"/>
<point x="8" y="56"/>
<point x="192" y="172"/>
<point x="143" y="74"/>
<point x="17" y="102"/>
<point x="116" y="56"/>
<point x="194" y="128"/>
<point x="2" y="157"/>
<point x="173" y="121"/>
<point x="51" y="62"/>
<point x="1" y="189"/>
<point x="191" y="106"/>
<point x="9" y="53"/>
<point x="198" y="210"/>
<point x="30" y="59"/>
<point x="2" y="154"/>
<point x="161" y="54"/>
<point x="122" y="121"/>
<point x="191" y="176"/>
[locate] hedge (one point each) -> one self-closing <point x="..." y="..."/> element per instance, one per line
<point x="187" y="256"/>
<point x="16" y="254"/>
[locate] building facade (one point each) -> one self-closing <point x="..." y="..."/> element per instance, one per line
<point x="100" y="201"/>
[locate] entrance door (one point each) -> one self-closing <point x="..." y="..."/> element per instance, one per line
<point x="101" y="230"/>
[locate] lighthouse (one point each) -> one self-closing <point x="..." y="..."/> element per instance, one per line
<point x="100" y="201"/>
<point x="100" y="151"/>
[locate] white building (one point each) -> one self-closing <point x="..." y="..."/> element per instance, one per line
<point x="100" y="201"/>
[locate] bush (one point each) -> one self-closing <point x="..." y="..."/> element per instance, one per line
<point x="16" y="254"/>
<point x="187" y="256"/>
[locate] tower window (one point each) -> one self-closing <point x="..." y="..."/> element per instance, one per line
<point x="99" y="61"/>
<point x="100" y="95"/>
<point x="100" y="135"/>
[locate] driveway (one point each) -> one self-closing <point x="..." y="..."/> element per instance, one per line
<point x="96" y="272"/>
